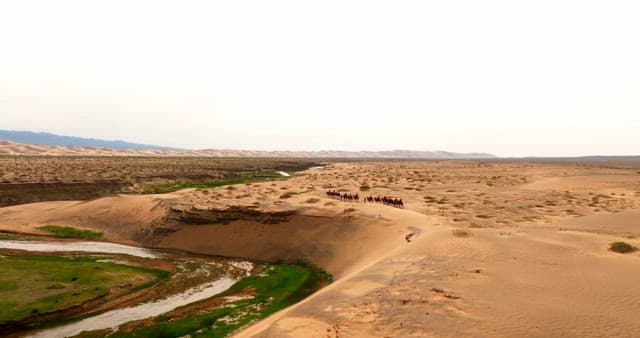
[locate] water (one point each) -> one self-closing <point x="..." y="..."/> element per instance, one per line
<point x="96" y="247"/>
<point x="115" y="318"/>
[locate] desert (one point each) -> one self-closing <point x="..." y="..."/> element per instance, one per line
<point x="319" y="169"/>
<point x="481" y="248"/>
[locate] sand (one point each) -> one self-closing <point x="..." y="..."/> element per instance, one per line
<point x="13" y="148"/>
<point x="498" y="249"/>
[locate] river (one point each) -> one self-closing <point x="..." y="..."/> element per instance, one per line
<point x="114" y="318"/>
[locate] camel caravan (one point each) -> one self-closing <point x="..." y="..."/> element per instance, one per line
<point x="344" y="196"/>
<point x="394" y="202"/>
<point x="390" y="201"/>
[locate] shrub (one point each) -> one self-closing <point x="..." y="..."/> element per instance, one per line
<point x="461" y="233"/>
<point x="365" y="187"/>
<point x="55" y="286"/>
<point x="621" y="247"/>
<point x="69" y="232"/>
<point x="287" y="194"/>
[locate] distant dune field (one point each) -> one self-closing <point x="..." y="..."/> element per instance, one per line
<point x="12" y="148"/>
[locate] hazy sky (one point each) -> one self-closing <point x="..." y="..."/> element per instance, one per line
<point x="512" y="78"/>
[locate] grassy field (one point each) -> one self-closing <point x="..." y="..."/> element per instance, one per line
<point x="31" y="285"/>
<point x="246" y="177"/>
<point x="68" y="232"/>
<point x="280" y="286"/>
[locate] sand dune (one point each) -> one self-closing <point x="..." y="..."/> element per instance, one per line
<point x="121" y="217"/>
<point x="494" y="251"/>
<point x="12" y="148"/>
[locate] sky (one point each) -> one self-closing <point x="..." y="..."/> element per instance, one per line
<point x="511" y="78"/>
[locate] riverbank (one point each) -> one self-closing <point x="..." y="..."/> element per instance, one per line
<point x="76" y="297"/>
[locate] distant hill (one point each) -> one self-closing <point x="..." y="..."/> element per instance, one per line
<point x="30" y="143"/>
<point x="12" y="148"/>
<point x="28" y="137"/>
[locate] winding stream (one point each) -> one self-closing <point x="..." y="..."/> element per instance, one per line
<point x="117" y="317"/>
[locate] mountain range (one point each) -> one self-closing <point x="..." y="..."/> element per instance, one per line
<point x="48" y="139"/>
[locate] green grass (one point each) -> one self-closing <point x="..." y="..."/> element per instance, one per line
<point x="69" y="232"/>
<point x="281" y="286"/>
<point x="247" y="177"/>
<point x="31" y="285"/>
<point x="621" y="247"/>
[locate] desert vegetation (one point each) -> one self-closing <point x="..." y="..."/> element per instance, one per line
<point x="69" y="232"/>
<point x="26" y="179"/>
<point x="462" y="233"/>
<point x="621" y="247"/>
<point x="34" y="285"/>
<point x="243" y="177"/>
<point x="273" y="288"/>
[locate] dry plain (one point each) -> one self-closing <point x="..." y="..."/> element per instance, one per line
<point x="25" y="179"/>
<point x="482" y="248"/>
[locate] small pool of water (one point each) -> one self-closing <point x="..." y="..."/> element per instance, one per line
<point x="94" y="247"/>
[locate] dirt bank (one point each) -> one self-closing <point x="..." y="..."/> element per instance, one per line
<point x="20" y="193"/>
